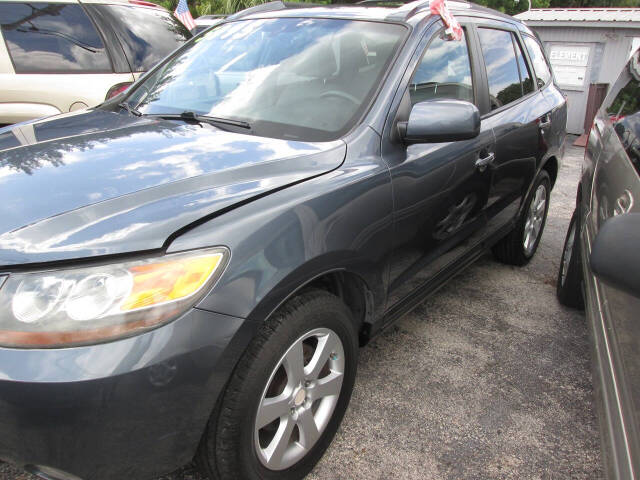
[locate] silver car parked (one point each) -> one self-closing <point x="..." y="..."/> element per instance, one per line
<point x="600" y="267"/>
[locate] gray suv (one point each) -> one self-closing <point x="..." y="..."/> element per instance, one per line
<point x="189" y="268"/>
<point x="600" y="267"/>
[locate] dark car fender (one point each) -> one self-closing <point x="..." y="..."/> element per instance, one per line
<point x="337" y="224"/>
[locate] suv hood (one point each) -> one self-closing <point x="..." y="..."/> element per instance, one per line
<point x="100" y="183"/>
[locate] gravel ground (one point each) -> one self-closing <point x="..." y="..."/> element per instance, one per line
<point x="488" y="379"/>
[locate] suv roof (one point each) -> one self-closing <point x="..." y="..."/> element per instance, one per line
<point x="367" y="9"/>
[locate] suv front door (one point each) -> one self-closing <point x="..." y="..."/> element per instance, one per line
<point x="439" y="189"/>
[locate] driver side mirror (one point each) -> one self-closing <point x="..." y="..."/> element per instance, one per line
<point x="615" y="258"/>
<point x="440" y="121"/>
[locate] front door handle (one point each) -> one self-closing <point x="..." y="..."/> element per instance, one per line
<point x="483" y="162"/>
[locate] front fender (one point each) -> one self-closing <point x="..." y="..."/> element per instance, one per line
<point x="338" y="221"/>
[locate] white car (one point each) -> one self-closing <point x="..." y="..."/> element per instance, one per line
<point x="63" y="55"/>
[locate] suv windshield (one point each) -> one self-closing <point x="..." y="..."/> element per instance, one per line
<point x="295" y="78"/>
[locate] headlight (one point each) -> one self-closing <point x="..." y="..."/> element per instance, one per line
<point x="92" y="304"/>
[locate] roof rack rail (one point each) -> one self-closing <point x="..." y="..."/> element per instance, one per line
<point x="263" y="7"/>
<point x="410" y="9"/>
<point x="270" y="7"/>
<point x="380" y="2"/>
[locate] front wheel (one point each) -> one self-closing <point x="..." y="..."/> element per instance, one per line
<point x="288" y="394"/>
<point x="521" y="244"/>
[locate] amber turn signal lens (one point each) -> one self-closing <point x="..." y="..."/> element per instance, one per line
<point x="158" y="283"/>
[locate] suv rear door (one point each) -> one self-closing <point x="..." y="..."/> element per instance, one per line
<point x="59" y="61"/>
<point x="519" y="115"/>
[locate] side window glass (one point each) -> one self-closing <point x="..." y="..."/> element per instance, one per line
<point x="502" y="66"/>
<point x="542" y="70"/>
<point x="52" y="37"/>
<point x="622" y="104"/>
<point x="443" y="72"/>
<point x="525" y="76"/>
<point x="147" y="34"/>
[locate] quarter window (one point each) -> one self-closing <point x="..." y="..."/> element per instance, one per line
<point x="443" y="72"/>
<point x="503" y="72"/>
<point x="542" y="70"/>
<point x="52" y="38"/>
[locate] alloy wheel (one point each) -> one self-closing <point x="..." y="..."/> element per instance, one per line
<point x="535" y="218"/>
<point x="299" y="399"/>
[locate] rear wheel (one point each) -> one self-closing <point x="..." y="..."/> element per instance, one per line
<point x="288" y="394"/>
<point x="521" y="244"/>
<point x="569" y="283"/>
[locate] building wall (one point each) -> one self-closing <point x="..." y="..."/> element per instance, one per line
<point x="610" y="49"/>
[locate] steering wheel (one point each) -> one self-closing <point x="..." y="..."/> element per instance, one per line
<point x="342" y="95"/>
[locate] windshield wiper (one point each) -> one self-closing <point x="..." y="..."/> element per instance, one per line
<point x="196" y="117"/>
<point x="130" y="109"/>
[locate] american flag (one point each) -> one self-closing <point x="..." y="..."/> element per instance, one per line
<point x="183" y="13"/>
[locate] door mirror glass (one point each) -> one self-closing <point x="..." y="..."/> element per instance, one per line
<point x="614" y="256"/>
<point x="441" y="121"/>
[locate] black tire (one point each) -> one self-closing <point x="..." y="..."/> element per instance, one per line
<point x="227" y="450"/>
<point x="569" y="285"/>
<point x="511" y="249"/>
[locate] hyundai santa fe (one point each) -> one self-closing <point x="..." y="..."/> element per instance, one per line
<point x="189" y="269"/>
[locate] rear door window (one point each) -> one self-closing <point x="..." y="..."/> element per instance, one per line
<point x="52" y="38"/>
<point x="543" y="72"/>
<point x="504" y="67"/>
<point x="147" y="34"/>
<point x="525" y="75"/>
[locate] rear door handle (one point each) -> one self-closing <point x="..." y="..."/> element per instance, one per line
<point x="624" y="203"/>
<point x="483" y="162"/>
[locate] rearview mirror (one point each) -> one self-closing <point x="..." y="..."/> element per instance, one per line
<point x="440" y="121"/>
<point x="615" y="255"/>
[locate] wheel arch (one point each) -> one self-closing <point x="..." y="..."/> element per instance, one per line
<point x="341" y="281"/>
<point x="551" y="166"/>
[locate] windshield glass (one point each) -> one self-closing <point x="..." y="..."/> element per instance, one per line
<point x="297" y="78"/>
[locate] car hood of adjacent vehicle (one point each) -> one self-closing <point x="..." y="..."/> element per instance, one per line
<point x="100" y="183"/>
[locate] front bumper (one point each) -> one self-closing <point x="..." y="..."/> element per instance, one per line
<point x="128" y="409"/>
